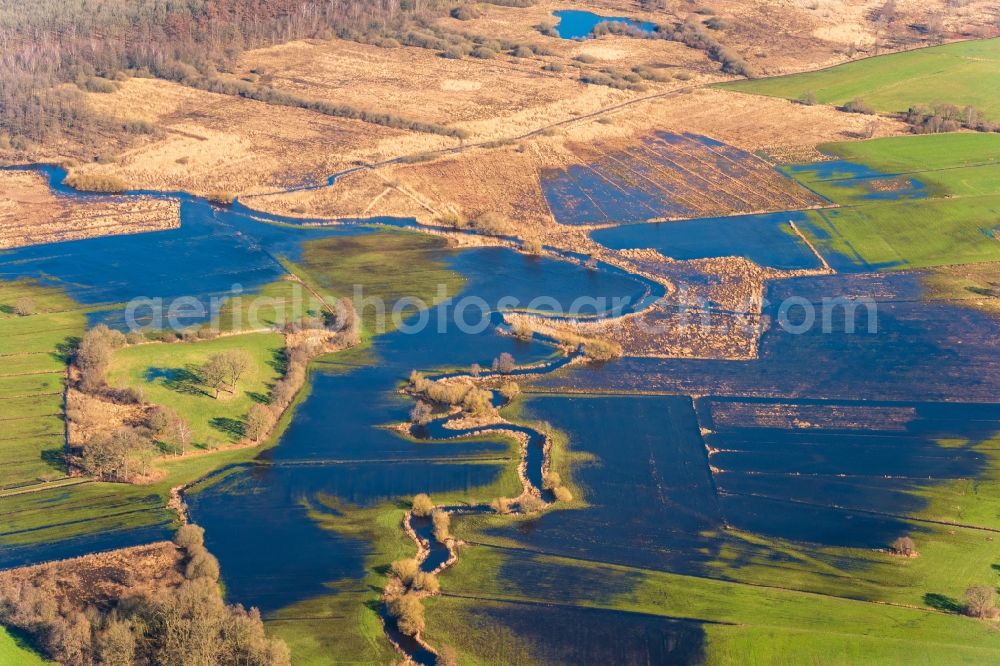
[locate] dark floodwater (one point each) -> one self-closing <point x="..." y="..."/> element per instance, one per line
<point x="868" y="184"/>
<point x="338" y="424"/>
<point x="214" y="249"/>
<point x="921" y="351"/>
<point x="650" y="489"/>
<point x="573" y="635"/>
<point x="577" y="24"/>
<point x="767" y="239"/>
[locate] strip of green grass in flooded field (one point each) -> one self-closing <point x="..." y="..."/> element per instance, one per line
<point x="955" y="224"/>
<point x="963" y="73"/>
<point x="389" y="265"/>
<point x="344" y="626"/>
<point x="33" y="352"/>
<point x="746" y="623"/>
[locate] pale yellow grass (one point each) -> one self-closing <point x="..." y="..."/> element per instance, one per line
<point x="506" y="179"/>
<point x="31" y="214"/>
<point x="490" y="99"/>
<point x="211" y="142"/>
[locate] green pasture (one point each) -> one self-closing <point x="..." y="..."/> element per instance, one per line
<point x="33" y="352"/>
<point x="955" y="223"/>
<point x="167" y="374"/>
<point x="962" y="73"/>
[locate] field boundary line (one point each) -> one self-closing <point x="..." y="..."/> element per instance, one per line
<point x="798" y="232"/>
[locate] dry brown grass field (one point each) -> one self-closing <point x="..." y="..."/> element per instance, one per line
<point x="506" y="179"/>
<point x="523" y="115"/>
<point x="218" y="143"/>
<point x="31" y="214"/>
<point x="101" y="579"/>
<point x="212" y="143"/>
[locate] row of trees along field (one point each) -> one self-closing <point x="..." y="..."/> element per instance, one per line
<point x="87" y="43"/>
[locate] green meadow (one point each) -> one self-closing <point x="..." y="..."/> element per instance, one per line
<point x="962" y="73"/>
<point x="32" y="379"/>
<point x="955" y="223"/>
<point x="167" y="375"/>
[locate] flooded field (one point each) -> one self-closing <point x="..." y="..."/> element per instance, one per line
<point x="767" y="239"/>
<point x="916" y="353"/>
<point x="865" y="408"/>
<point x="669" y="176"/>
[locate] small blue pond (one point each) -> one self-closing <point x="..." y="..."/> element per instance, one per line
<point x="576" y="24"/>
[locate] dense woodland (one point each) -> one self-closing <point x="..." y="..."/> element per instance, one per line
<point x="46" y="43"/>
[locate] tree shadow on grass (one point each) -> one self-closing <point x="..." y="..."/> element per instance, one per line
<point x="942" y="603"/>
<point x="182" y="380"/>
<point x="229" y="426"/>
<point x="6" y="309"/>
<point x="54" y="458"/>
<point x="65" y="349"/>
<point x="24" y="640"/>
<point x="279" y="361"/>
<point x="259" y="398"/>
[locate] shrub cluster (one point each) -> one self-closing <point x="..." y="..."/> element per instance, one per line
<point x="96" y="182"/>
<point x="504" y="364"/>
<point x="553" y="483"/>
<point x="442" y="525"/>
<point x="93" y="355"/>
<point x="693" y="34"/>
<point x="169" y="625"/>
<point x="858" y="105"/>
<point x="614" y="78"/>
<point x="936" y="118"/>
<point x="422" y="505"/>
<point x="475" y="401"/>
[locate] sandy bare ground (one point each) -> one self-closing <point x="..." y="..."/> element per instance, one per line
<point x="31" y="214"/>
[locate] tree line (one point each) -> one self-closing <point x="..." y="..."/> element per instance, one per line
<point x="46" y="43"/>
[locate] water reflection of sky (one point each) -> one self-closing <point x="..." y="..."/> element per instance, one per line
<point x="577" y="24"/>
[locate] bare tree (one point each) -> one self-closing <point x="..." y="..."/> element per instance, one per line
<point x="24" y="307"/>
<point x="421" y="413"/>
<point x="259" y="422"/>
<point x="980" y="601"/>
<point x="905" y="546"/>
<point x="504" y="364"/>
